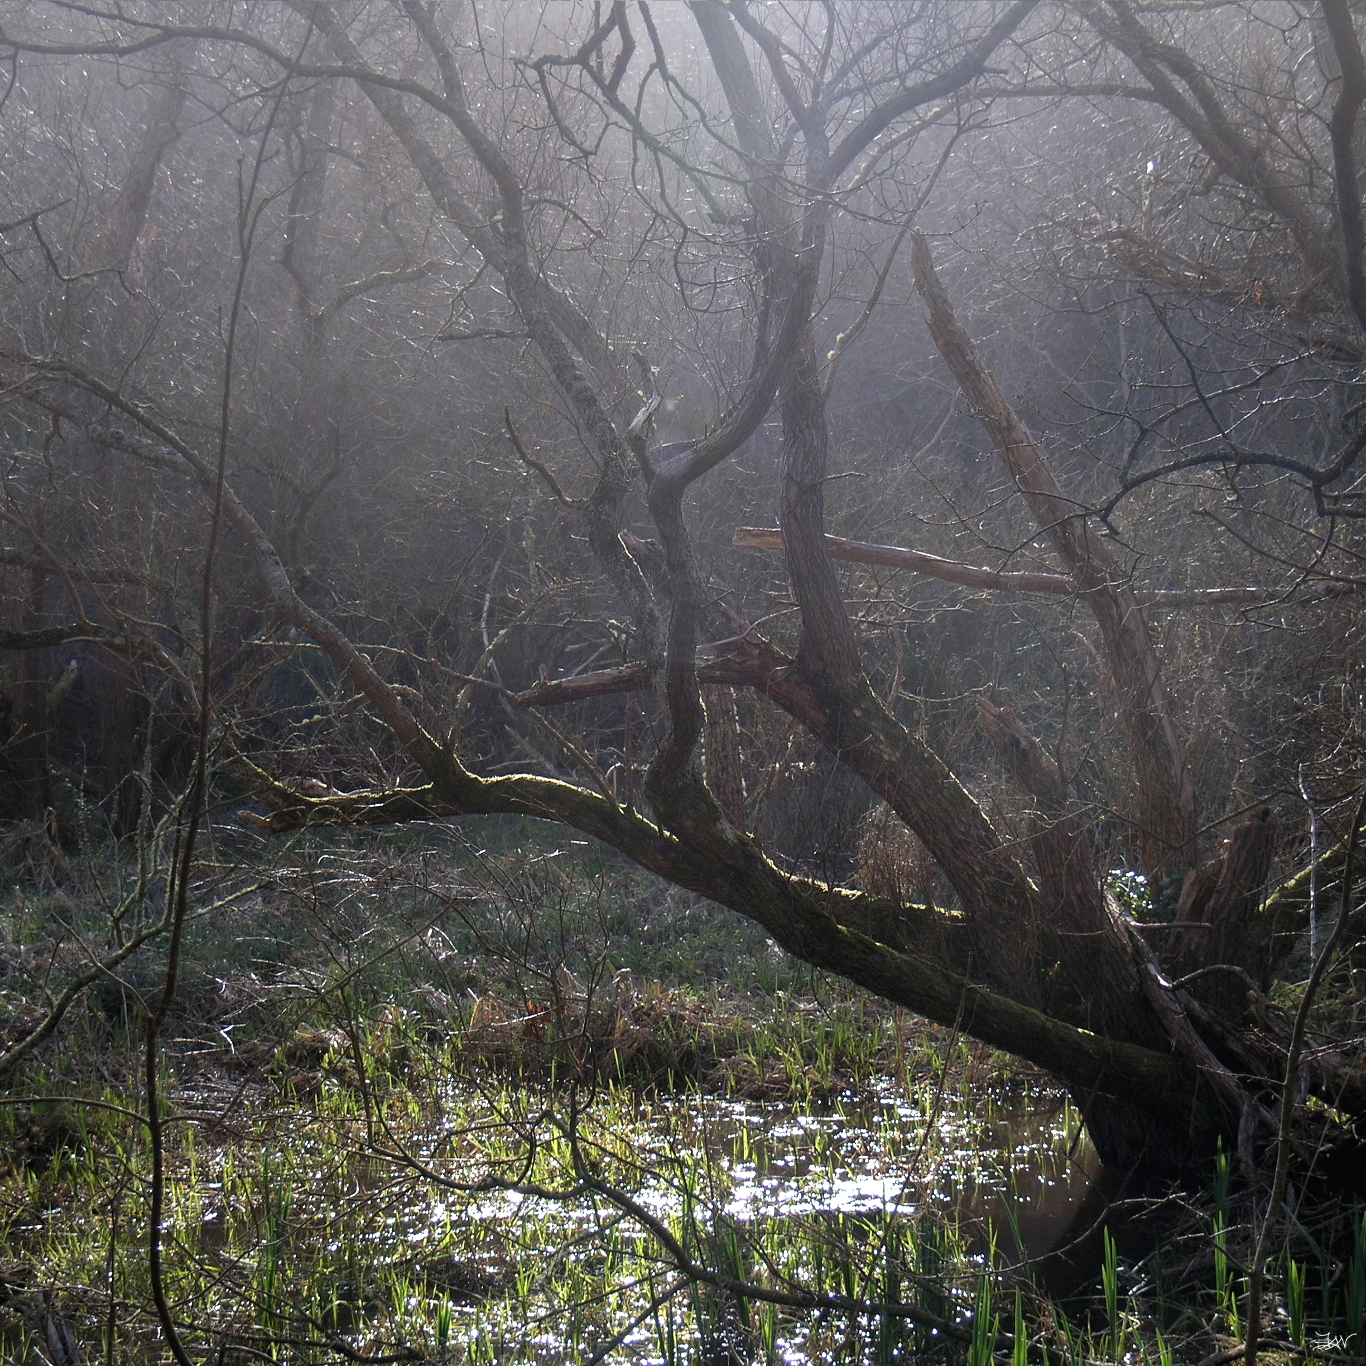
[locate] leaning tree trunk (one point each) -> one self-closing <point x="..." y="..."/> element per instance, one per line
<point x="1163" y="1057"/>
<point x="1050" y="942"/>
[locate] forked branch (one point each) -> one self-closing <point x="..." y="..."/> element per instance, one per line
<point x="1165" y="818"/>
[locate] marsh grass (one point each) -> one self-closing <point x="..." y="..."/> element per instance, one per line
<point x="417" y="1089"/>
<point x="358" y="1219"/>
<point x="427" y="1210"/>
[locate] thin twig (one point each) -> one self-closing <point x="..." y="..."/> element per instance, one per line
<point x="532" y="463"/>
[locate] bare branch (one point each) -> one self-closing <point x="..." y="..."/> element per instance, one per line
<point x="1053" y="585"/>
<point x="961" y="74"/>
<point x="166" y="449"/>
<point x="58" y="635"/>
<point x="919" y="562"/>
<point x="531" y="462"/>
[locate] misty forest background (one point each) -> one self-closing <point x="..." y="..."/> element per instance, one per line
<point x="424" y="428"/>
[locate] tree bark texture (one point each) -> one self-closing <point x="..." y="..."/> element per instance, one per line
<point x="1162" y="1047"/>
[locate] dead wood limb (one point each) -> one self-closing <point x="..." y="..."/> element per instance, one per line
<point x="1032" y="766"/>
<point x="894" y="557"/>
<point x="48" y="636"/>
<point x="1055" y="585"/>
<point x="557" y="692"/>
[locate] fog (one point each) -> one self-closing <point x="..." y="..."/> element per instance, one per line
<point x="889" y="470"/>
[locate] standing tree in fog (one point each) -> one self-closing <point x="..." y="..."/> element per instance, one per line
<point x="661" y="240"/>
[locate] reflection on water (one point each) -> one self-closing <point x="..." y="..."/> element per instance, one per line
<point x="1025" y="1170"/>
<point x="859" y="1198"/>
<point x="1016" y="1169"/>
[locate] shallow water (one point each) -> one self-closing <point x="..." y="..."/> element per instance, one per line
<point x="298" y="1208"/>
<point x="1023" y="1169"/>
<point x="1010" y="1170"/>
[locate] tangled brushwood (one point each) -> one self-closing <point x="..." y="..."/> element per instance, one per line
<point x="687" y="428"/>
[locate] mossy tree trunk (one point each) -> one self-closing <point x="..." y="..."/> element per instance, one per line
<point x="1165" y="1047"/>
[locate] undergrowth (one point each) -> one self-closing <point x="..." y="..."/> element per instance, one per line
<point x="511" y="1103"/>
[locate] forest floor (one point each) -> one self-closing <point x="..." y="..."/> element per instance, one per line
<point x="435" y="1102"/>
